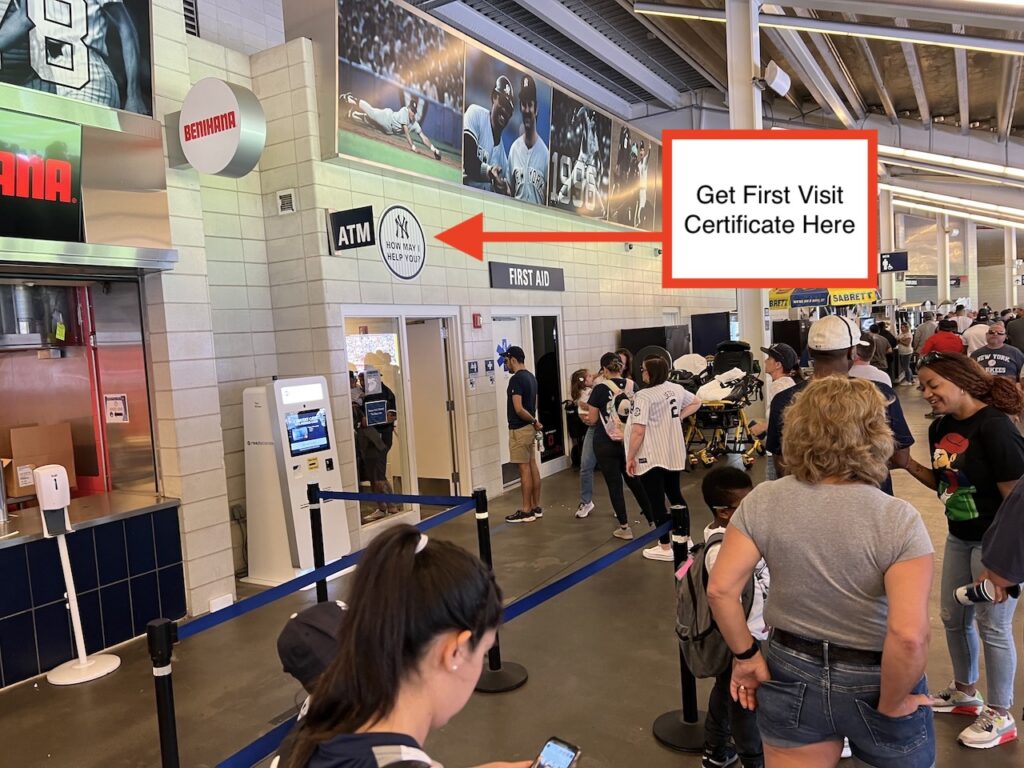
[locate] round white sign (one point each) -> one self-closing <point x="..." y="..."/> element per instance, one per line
<point x="222" y="128"/>
<point x="402" y="244"/>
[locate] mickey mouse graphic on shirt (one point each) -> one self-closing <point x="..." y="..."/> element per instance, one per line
<point x="955" y="489"/>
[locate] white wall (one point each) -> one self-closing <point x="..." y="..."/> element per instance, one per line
<point x="242" y="25"/>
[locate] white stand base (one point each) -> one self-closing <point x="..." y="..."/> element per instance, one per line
<point x="74" y="671"/>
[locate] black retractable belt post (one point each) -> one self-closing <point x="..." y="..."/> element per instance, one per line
<point x="316" y="528"/>
<point x="497" y="677"/>
<point x="161" y="635"/>
<point x="682" y="729"/>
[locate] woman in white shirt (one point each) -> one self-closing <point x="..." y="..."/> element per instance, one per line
<point x="656" y="450"/>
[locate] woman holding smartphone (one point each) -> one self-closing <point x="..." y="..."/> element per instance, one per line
<point x="422" y="616"/>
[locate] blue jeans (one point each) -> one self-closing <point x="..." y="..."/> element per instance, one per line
<point x="961" y="565"/>
<point x="810" y="700"/>
<point x="587" y="463"/>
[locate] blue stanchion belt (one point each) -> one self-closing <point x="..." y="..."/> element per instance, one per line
<point x="555" y="588"/>
<point x="259" y="749"/>
<point x="242" y="607"/>
<point x="268" y="742"/>
<point x="433" y="501"/>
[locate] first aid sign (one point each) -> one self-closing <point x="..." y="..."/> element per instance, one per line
<point x="778" y="209"/>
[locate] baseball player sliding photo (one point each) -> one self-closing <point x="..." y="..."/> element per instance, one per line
<point x="390" y="122"/>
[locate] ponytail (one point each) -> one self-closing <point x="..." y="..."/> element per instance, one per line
<point x="1004" y="395"/>
<point x="403" y="596"/>
<point x="578" y="383"/>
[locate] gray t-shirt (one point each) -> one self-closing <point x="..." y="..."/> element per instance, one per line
<point x="828" y="548"/>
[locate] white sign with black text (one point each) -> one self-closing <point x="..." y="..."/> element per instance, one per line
<point x="402" y="244"/>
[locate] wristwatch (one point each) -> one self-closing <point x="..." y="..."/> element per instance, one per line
<point x="749" y="653"/>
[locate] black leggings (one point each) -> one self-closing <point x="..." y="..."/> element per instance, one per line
<point x="611" y="458"/>
<point x="660" y="484"/>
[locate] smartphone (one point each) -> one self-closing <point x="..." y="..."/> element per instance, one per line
<point x="557" y="754"/>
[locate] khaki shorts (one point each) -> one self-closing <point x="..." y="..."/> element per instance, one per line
<point x="520" y="444"/>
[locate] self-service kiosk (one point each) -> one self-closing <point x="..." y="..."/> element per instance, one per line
<point x="289" y="443"/>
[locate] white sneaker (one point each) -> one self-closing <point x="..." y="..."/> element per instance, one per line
<point x="584" y="509"/>
<point x="956" y="702"/>
<point x="657" y="553"/>
<point x="847" y="752"/>
<point x="623" y="533"/>
<point x="990" y="730"/>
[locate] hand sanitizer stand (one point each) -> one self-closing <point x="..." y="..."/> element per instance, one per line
<point x="54" y="496"/>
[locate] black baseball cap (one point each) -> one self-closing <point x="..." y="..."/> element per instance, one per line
<point x="784" y="353"/>
<point x="516" y="353"/>
<point x="309" y="641"/>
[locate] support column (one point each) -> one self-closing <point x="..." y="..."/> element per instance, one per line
<point x="971" y="261"/>
<point x="1009" y="267"/>
<point x="743" y="46"/>
<point x="942" y="290"/>
<point x="887" y="285"/>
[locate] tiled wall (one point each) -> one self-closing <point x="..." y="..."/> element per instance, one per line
<point x="607" y="288"/>
<point x="126" y="573"/>
<point x="242" y="25"/>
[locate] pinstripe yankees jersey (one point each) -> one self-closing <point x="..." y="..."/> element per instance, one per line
<point x="658" y="408"/>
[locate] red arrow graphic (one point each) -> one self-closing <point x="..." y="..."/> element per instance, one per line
<point x="469" y="237"/>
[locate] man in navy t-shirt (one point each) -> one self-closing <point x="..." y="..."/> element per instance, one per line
<point x="522" y="429"/>
<point x="831" y="343"/>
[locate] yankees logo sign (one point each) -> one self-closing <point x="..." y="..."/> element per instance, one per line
<point x="402" y="244"/>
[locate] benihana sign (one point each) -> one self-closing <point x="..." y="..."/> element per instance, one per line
<point x="37" y="178"/>
<point x="222" y="128"/>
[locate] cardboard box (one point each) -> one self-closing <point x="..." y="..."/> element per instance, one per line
<point x="33" y="447"/>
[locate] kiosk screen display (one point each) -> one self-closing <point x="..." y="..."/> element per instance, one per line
<point x="307" y="431"/>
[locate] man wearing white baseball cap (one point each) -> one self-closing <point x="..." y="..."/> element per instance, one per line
<point x="830" y="343"/>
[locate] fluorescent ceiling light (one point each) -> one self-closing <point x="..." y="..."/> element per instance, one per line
<point x="846" y="29"/>
<point x="957" y="214"/>
<point x="960" y="163"/>
<point x="971" y="205"/>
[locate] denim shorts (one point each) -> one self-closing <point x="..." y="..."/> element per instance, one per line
<point x="809" y="700"/>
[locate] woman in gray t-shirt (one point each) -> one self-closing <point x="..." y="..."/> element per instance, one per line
<point x="849" y="606"/>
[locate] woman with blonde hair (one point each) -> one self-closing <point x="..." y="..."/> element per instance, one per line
<point x="851" y="572"/>
<point x="977" y="456"/>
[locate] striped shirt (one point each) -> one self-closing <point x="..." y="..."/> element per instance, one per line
<point x="658" y="408"/>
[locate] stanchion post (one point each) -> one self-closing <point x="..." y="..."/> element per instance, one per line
<point x="316" y="529"/>
<point x="497" y="677"/>
<point x="161" y="635"/>
<point x="682" y="729"/>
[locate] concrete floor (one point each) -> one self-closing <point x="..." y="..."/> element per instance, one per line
<point x="602" y="660"/>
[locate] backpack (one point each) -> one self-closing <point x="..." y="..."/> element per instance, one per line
<point x="700" y="640"/>
<point x="617" y="410"/>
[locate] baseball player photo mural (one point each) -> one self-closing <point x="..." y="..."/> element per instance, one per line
<point x="96" y="51"/>
<point x="580" y="157"/>
<point x="633" y="180"/>
<point x="505" y="129"/>
<point x="400" y="80"/>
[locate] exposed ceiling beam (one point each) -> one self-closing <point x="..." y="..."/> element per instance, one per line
<point x="799" y="54"/>
<point x="677" y="49"/>
<point x="478" y="27"/>
<point x="828" y="53"/>
<point x="780" y="20"/>
<point x="916" y="78"/>
<point x="700" y="41"/>
<point x="556" y="15"/>
<point x="960" y="56"/>
<point x="977" y="13"/>
<point x="1007" y="104"/>
<point x="876" y="74"/>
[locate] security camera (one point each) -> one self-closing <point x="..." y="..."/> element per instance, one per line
<point x="774" y="78"/>
<point x="657" y="251"/>
<point x="629" y="247"/>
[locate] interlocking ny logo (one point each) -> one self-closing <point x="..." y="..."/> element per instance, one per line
<point x="402" y="223"/>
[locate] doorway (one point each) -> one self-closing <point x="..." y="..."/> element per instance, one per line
<point x="537" y="334"/>
<point x="414" y="358"/>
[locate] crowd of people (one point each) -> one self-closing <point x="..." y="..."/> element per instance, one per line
<point x="403" y="48"/>
<point x="819" y="579"/>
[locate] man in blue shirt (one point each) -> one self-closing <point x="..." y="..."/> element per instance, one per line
<point x="831" y="343"/>
<point x="522" y="429"/>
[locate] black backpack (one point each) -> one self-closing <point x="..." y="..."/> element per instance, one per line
<point x="702" y="644"/>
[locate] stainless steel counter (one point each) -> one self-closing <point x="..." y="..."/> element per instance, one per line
<point x="85" y="512"/>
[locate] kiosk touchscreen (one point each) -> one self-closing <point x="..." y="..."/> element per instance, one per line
<point x="290" y="442"/>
